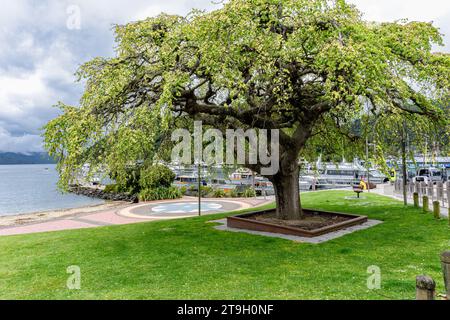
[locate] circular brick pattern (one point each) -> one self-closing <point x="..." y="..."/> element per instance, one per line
<point x="181" y="208"/>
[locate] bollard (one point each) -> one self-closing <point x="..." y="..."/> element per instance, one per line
<point x="425" y="206"/>
<point x="416" y="199"/>
<point x="445" y="262"/>
<point x="437" y="209"/>
<point x="425" y="288"/>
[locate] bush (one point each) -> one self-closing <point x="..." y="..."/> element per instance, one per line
<point x="249" y="193"/>
<point x="234" y="193"/>
<point x="157" y="176"/>
<point x="128" y="183"/>
<point x="111" y="188"/>
<point x="219" y="193"/>
<point x="206" y="190"/>
<point x="183" y="190"/>
<point x="160" y="193"/>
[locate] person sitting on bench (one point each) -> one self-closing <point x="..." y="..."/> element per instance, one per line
<point x="360" y="188"/>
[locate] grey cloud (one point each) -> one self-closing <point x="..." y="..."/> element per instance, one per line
<point x="39" y="54"/>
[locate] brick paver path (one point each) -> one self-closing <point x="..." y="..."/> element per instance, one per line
<point x="101" y="218"/>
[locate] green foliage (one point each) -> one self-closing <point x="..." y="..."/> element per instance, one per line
<point x="207" y="191"/>
<point x="183" y="190"/>
<point x="128" y="179"/>
<point x="249" y="193"/>
<point x="319" y="65"/>
<point x="138" y="178"/>
<point x="111" y="188"/>
<point x="160" y="193"/>
<point x="155" y="176"/>
<point x="219" y="193"/>
<point x="235" y="193"/>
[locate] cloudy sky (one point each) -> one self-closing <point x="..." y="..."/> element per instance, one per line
<point x="44" y="41"/>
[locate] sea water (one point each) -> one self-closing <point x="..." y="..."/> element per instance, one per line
<point x="32" y="188"/>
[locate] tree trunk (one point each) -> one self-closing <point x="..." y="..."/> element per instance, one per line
<point x="287" y="194"/>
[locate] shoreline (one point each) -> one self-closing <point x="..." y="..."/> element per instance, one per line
<point x="40" y="216"/>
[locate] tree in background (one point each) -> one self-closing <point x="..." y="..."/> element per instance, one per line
<point x="310" y="68"/>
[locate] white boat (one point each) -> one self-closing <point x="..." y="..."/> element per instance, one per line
<point x="306" y="182"/>
<point x="343" y="174"/>
<point x="243" y="176"/>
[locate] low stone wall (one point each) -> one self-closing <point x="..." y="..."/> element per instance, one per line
<point x="100" y="194"/>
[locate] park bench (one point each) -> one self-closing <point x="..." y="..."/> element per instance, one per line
<point x="358" y="190"/>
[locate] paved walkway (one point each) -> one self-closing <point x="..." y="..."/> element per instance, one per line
<point x="142" y="212"/>
<point x="388" y="190"/>
<point x="123" y="215"/>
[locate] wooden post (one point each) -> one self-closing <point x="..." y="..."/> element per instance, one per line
<point x="416" y="199"/>
<point x="437" y="209"/>
<point x="445" y="262"/>
<point x="425" y="288"/>
<point x="425" y="206"/>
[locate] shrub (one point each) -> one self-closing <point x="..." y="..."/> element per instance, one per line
<point x="161" y="193"/>
<point x="156" y="176"/>
<point x="128" y="183"/>
<point x="111" y="188"/>
<point x="219" y="193"/>
<point x="206" y="190"/>
<point x="183" y="190"/>
<point x="249" y="193"/>
<point x="234" y="193"/>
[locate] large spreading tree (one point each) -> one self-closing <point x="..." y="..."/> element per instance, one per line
<point x="310" y="68"/>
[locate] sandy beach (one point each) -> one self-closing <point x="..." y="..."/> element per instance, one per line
<point x="21" y="219"/>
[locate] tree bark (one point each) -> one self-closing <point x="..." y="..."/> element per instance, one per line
<point x="287" y="195"/>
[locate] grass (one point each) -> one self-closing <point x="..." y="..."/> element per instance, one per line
<point x="189" y="259"/>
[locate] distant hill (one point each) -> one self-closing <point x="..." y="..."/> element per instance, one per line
<point x="22" y="158"/>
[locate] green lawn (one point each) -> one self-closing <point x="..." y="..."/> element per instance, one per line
<point x="189" y="259"/>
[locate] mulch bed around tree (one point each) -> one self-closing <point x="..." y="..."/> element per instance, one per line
<point x="313" y="220"/>
<point x="315" y="223"/>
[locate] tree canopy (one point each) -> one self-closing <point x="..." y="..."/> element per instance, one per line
<point x="310" y="68"/>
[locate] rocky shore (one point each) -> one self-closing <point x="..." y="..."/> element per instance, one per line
<point x="101" y="194"/>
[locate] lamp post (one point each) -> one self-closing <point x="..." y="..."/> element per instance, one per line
<point x="367" y="150"/>
<point x="199" y="189"/>
<point x="404" y="171"/>
<point x="367" y="164"/>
